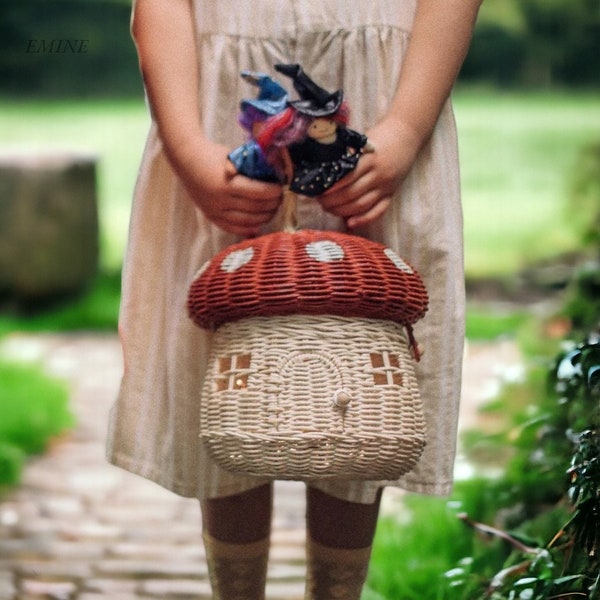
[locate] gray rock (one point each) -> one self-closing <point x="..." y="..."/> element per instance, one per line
<point x="49" y="236"/>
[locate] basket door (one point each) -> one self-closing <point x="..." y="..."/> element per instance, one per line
<point x="308" y="419"/>
<point x="309" y="382"/>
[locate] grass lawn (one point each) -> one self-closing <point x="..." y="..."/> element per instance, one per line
<point x="518" y="151"/>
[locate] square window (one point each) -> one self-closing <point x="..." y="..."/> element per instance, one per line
<point x="386" y="369"/>
<point x="242" y="361"/>
<point x="397" y="378"/>
<point x="377" y="360"/>
<point x="232" y="372"/>
<point x="222" y="384"/>
<point x="380" y="379"/>
<point x="224" y="364"/>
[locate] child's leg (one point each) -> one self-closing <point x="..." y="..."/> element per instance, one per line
<point x="339" y="539"/>
<point x="236" y="533"/>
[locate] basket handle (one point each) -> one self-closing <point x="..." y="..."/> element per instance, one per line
<point x="286" y="218"/>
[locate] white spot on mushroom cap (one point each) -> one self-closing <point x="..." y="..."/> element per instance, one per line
<point x="397" y="261"/>
<point x="325" y="251"/>
<point x="236" y="260"/>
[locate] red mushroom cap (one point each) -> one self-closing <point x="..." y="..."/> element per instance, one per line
<point x="306" y="272"/>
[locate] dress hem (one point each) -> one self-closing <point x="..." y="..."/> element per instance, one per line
<point x="153" y="474"/>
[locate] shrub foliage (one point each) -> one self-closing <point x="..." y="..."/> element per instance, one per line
<point x="33" y="410"/>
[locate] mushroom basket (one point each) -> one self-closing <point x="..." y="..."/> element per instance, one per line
<point x="311" y="372"/>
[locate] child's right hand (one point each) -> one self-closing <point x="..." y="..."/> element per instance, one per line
<point x="233" y="202"/>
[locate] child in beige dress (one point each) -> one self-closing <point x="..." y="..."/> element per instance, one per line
<point x="396" y="61"/>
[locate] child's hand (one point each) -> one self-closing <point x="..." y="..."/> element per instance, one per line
<point x="235" y="203"/>
<point x="365" y="194"/>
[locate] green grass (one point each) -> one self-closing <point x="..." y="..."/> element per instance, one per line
<point x="97" y="309"/>
<point x="417" y="547"/>
<point x="484" y="324"/>
<point x="518" y="153"/>
<point x="502" y="12"/>
<point x="413" y="549"/>
<point x="33" y="410"/>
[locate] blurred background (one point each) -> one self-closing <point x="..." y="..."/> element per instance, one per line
<point x="527" y="107"/>
<point x="73" y="122"/>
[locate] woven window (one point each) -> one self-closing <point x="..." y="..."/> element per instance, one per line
<point x="386" y="369"/>
<point x="233" y="372"/>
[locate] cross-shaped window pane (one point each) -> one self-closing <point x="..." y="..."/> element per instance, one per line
<point x="386" y="369"/>
<point x="233" y="372"/>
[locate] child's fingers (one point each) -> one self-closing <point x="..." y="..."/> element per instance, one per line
<point x="240" y="223"/>
<point x="376" y="211"/>
<point x="342" y="198"/>
<point x="348" y="184"/>
<point x="252" y="189"/>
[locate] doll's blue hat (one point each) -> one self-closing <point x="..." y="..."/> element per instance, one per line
<point x="271" y="98"/>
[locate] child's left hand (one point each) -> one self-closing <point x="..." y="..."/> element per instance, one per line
<point x="365" y="194"/>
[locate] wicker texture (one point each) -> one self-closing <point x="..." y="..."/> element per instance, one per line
<point x="306" y="272"/>
<point x="306" y="397"/>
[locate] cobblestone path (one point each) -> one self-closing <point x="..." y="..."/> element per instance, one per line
<point x="80" y="529"/>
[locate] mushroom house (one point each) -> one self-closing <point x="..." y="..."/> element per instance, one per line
<point x="311" y="372"/>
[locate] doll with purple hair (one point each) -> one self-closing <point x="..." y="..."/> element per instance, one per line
<point x="306" y="143"/>
<point x="249" y="159"/>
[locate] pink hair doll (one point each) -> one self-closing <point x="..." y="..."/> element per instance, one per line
<point x="309" y="144"/>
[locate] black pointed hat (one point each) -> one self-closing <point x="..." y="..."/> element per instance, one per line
<point x="314" y="100"/>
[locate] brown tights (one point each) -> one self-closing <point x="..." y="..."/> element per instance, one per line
<point x="246" y="518"/>
<point x="340" y="534"/>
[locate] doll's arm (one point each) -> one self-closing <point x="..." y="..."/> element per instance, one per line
<point x="164" y="35"/>
<point x="357" y="141"/>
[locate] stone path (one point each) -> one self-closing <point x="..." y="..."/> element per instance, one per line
<point x="81" y="529"/>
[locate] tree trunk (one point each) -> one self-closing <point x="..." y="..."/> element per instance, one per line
<point x="48" y="224"/>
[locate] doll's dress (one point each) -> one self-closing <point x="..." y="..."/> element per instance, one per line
<point x="249" y="160"/>
<point x="318" y="166"/>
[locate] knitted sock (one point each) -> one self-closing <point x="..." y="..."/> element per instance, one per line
<point x="237" y="571"/>
<point x="335" y="573"/>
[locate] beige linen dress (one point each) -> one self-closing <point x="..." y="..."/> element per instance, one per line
<point x="357" y="46"/>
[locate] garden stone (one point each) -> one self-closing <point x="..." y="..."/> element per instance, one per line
<point x="48" y="224"/>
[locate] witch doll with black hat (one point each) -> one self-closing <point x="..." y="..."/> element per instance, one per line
<point x="310" y="143"/>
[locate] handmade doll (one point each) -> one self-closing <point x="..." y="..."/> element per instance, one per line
<point x="249" y="158"/>
<point x="329" y="150"/>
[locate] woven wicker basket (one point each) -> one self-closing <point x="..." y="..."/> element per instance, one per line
<point x="311" y="374"/>
<point x="301" y="397"/>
